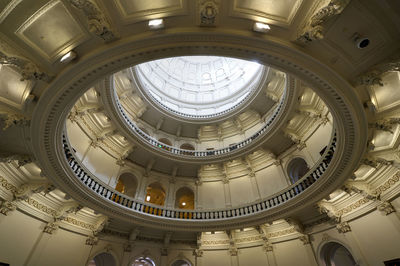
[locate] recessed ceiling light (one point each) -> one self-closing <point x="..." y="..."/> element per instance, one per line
<point x="183" y="203"/>
<point x="68" y="57"/>
<point x="155" y="24"/>
<point x="261" y="27"/>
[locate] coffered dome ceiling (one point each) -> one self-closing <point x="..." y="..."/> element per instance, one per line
<point x="196" y="87"/>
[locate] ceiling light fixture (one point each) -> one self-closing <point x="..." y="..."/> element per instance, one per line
<point x="183" y="203"/>
<point x="148" y="198"/>
<point x="68" y="57"/>
<point x="261" y="27"/>
<point x="156" y="24"/>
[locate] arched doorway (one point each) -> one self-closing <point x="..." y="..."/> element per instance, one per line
<point x="103" y="259"/>
<point x="335" y="254"/>
<point x="296" y="169"/>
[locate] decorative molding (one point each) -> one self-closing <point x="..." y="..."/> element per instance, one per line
<point x="7" y="206"/>
<point x="8" y="9"/>
<point x="305" y="239"/>
<point x="374" y="77"/>
<point x="314" y="29"/>
<point x="21" y="159"/>
<point x="386" y="208"/>
<point x="27" y="69"/>
<point x="208" y="13"/>
<point x="343" y="227"/>
<point x="388" y="184"/>
<point x="97" y="21"/>
<point x="91" y="241"/>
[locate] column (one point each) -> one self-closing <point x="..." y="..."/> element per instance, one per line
<point x="282" y="172"/>
<point x="197" y="198"/>
<point x="164" y="257"/>
<point x="389" y="211"/>
<point x="234" y="259"/>
<point x="142" y="188"/>
<point x="254" y="186"/>
<point x="170" y="196"/>
<point x="227" y="192"/>
<point x="305" y="239"/>
<point x="353" y="242"/>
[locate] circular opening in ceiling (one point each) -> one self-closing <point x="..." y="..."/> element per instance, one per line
<point x="196" y="87"/>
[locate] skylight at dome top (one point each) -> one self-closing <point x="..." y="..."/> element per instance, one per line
<point x="199" y="86"/>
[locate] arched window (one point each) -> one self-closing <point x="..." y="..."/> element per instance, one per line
<point x="155" y="194"/>
<point x="333" y="254"/>
<point x="103" y="259"/>
<point x="181" y="263"/>
<point x="296" y="169"/>
<point x="143" y="261"/>
<point x="184" y="198"/>
<point x="129" y="183"/>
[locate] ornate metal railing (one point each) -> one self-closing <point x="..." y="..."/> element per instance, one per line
<point x="197" y="153"/>
<point x="275" y="200"/>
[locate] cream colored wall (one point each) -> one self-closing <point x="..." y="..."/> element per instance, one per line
<point x="372" y="240"/>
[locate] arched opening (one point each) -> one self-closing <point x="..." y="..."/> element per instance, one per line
<point x="155" y="194"/>
<point x="181" y="263"/>
<point x="166" y="142"/>
<point x="129" y="183"/>
<point x="143" y="261"/>
<point x="188" y="147"/>
<point x="103" y="259"/>
<point x="296" y="169"/>
<point x="184" y="198"/>
<point x="335" y="254"/>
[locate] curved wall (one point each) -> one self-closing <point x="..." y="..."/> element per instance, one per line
<point x="23" y="242"/>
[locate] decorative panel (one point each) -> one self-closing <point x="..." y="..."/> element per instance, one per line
<point x="275" y="12"/>
<point x="137" y="10"/>
<point x="52" y="30"/>
<point x="6" y="6"/>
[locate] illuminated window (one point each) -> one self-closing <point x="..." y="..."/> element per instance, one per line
<point x="155" y="194"/>
<point x="184" y="198"/>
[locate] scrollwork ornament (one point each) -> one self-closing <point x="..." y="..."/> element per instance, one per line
<point x="386" y="208"/>
<point x="7" y="206"/>
<point x="343" y="227"/>
<point x="208" y="13"/>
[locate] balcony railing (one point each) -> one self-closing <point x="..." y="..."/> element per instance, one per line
<point x="198" y="153"/>
<point x="275" y="200"/>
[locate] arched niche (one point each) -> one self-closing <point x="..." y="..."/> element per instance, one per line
<point x="165" y="141"/>
<point x="155" y="194"/>
<point x="103" y="259"/>
<point x="187" y="146"/>
<point x="184" y="198"/>
<point x="127" y="184"/>
<point x="296" y="169"/>
<point x="334" y="253"/>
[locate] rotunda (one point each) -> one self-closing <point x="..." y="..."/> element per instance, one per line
<point x="199" y="132"/>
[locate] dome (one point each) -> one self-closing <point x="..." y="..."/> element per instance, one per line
<point x="199" y="86"/>
<point x="199" y="132"/>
